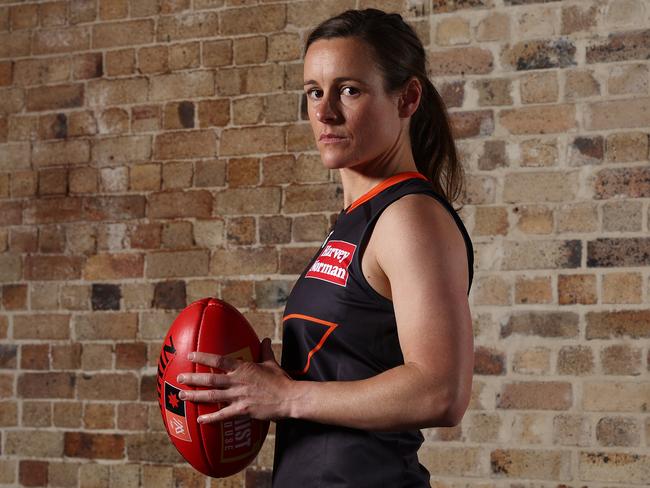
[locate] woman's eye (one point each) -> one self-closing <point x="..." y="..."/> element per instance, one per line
<point x="315" y="93"/>
<point x="310" y="93"/>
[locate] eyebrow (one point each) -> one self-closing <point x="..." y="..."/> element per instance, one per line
<point x="336" y="80"/>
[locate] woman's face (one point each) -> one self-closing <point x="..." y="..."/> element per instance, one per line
<point x="346" y="98"/>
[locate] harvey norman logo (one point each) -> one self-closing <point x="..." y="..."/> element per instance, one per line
<point x="332" y="263"/>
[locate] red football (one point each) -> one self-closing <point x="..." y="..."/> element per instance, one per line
<point x="216" y="449"/>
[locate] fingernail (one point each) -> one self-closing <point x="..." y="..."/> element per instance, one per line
<point x="180" y="378"/>
<point x="182" y="395"/>
<point x="200" y="420"/>
<point x="190" y="356"/>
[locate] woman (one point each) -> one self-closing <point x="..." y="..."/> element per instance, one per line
<point x="377" y="334"/>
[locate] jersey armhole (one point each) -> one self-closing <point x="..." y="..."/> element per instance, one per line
<point x="367" y="231"/>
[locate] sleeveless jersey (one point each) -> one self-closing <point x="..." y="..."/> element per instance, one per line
<point x="337" y="327"/>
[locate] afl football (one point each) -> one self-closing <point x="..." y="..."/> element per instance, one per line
<point x="216" y="449"/>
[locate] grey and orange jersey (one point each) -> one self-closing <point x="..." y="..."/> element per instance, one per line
<point x="336" y="327"/>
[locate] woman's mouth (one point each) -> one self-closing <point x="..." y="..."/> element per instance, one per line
<point x="331" y="138"/>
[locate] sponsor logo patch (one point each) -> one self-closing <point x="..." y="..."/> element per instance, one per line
<point x="333" y="262"/>
<point x="175" y="414"/>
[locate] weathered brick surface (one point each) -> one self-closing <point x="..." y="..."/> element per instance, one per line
<point x="241" y="231"/>
<point x="628" y="468"/>
<point x="46" y="385"/>
<point x="622" y="323"/>
<point x="107" y="386"/>
<point x="539" y="395"/>
<point x="94" y="446"/>
<point x="530" y="463"/>
<point x="615" y="396"/>
<point x="154" y="153"/>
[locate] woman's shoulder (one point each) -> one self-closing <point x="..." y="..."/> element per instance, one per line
<point x="425" y="209"/>
<point x="419" y="244"/>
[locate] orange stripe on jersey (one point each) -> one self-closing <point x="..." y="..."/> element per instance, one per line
<point x="330" y="325"/>
<point x="396" y="178"/>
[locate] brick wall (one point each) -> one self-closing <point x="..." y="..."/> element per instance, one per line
<point x="156" y="152"/>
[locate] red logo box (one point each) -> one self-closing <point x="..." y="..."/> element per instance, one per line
<point x="332" y="263"/>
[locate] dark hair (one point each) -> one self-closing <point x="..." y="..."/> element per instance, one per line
<point x="400" y="55"/>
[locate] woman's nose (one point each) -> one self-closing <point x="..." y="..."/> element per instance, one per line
<point x="326" y="111"/>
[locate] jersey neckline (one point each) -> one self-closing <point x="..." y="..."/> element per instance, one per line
<point x="381" y="186"/>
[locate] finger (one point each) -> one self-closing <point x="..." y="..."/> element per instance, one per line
<point x="204" y="379"/>
<point x="207" y="396"/>
<point x="224" y="363"/>
<point x="267" y="350"/>
<point x="231" y="411"/>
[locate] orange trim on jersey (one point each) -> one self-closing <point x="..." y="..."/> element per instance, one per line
<point x="379" y="187"/>
<point x="330" y="325"/>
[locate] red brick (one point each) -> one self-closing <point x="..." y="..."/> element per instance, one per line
<point x="167" y="264"/>
<point x="53" y="267"/>
<point x="106" y="326"/>
<point x="59" y="40"/>
<point x="102" y="93"/>
<point x="46" y="385"/>
<point x="620" y="47"/>
<point x="127" y="33"/>
<point x="108" y="386"/>
<point x="8" y="354"/>
<point x="579" y="288"/>
<point x="113" y="266"/>
<point x="94" y="446"/>
<point x="67" y="356"/>
<point x="55" y="97"/>
<point x="258" y="19"/>
<point x="489" y="361"/>
<point x="35" y="356"/>
<point x="113" y="208"/>
<point x="621" y="359"/>
<point x="131" y="416"/>
<point x="130" y="355"/>
<point x="99" y="416"/>
<point x="115" y="151"/>
<point x="621" y="323"/>
<point x="14" y="297"/>
<point x="33" y="473"/>
<point x="461" y="60"/>
<point x="530" y="463"/>
<point x="11" y="213"/>
<point x="60" y="153"/>
<point x="624" y="182"/>
<point x="36" y="414"/>
<point x="542" y="54"/>
<point x="187" y="25"/>
<point x="51" y="239"/>
<point x="185" y="144"/>
<point x="542" y="324"/>
<point x="53" y="210"/>
<point x="539" y="119"/>
<point x="23" y="240"/>
<point x="618" y="431"/>
<point x="195" y="203"/>
<point x="537" y="395"/>
<point x="86" y="66"/>
<point x="472" y="123"/>
<point x="151" y="446"/>
<point x="575" y="360"/>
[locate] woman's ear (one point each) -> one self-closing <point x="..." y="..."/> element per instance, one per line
<point x="409" y="99"/>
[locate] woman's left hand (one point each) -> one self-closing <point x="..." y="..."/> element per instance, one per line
<point x="256" y="390"/>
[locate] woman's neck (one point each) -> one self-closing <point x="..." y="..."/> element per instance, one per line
<point x="357" y="182"/>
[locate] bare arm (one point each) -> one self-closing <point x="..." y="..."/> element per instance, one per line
<point x="423" y="255"/>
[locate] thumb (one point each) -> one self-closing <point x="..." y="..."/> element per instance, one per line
<point x="267" y="350"/>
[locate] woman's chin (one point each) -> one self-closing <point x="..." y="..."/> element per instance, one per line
<point x="333" y="162"/>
